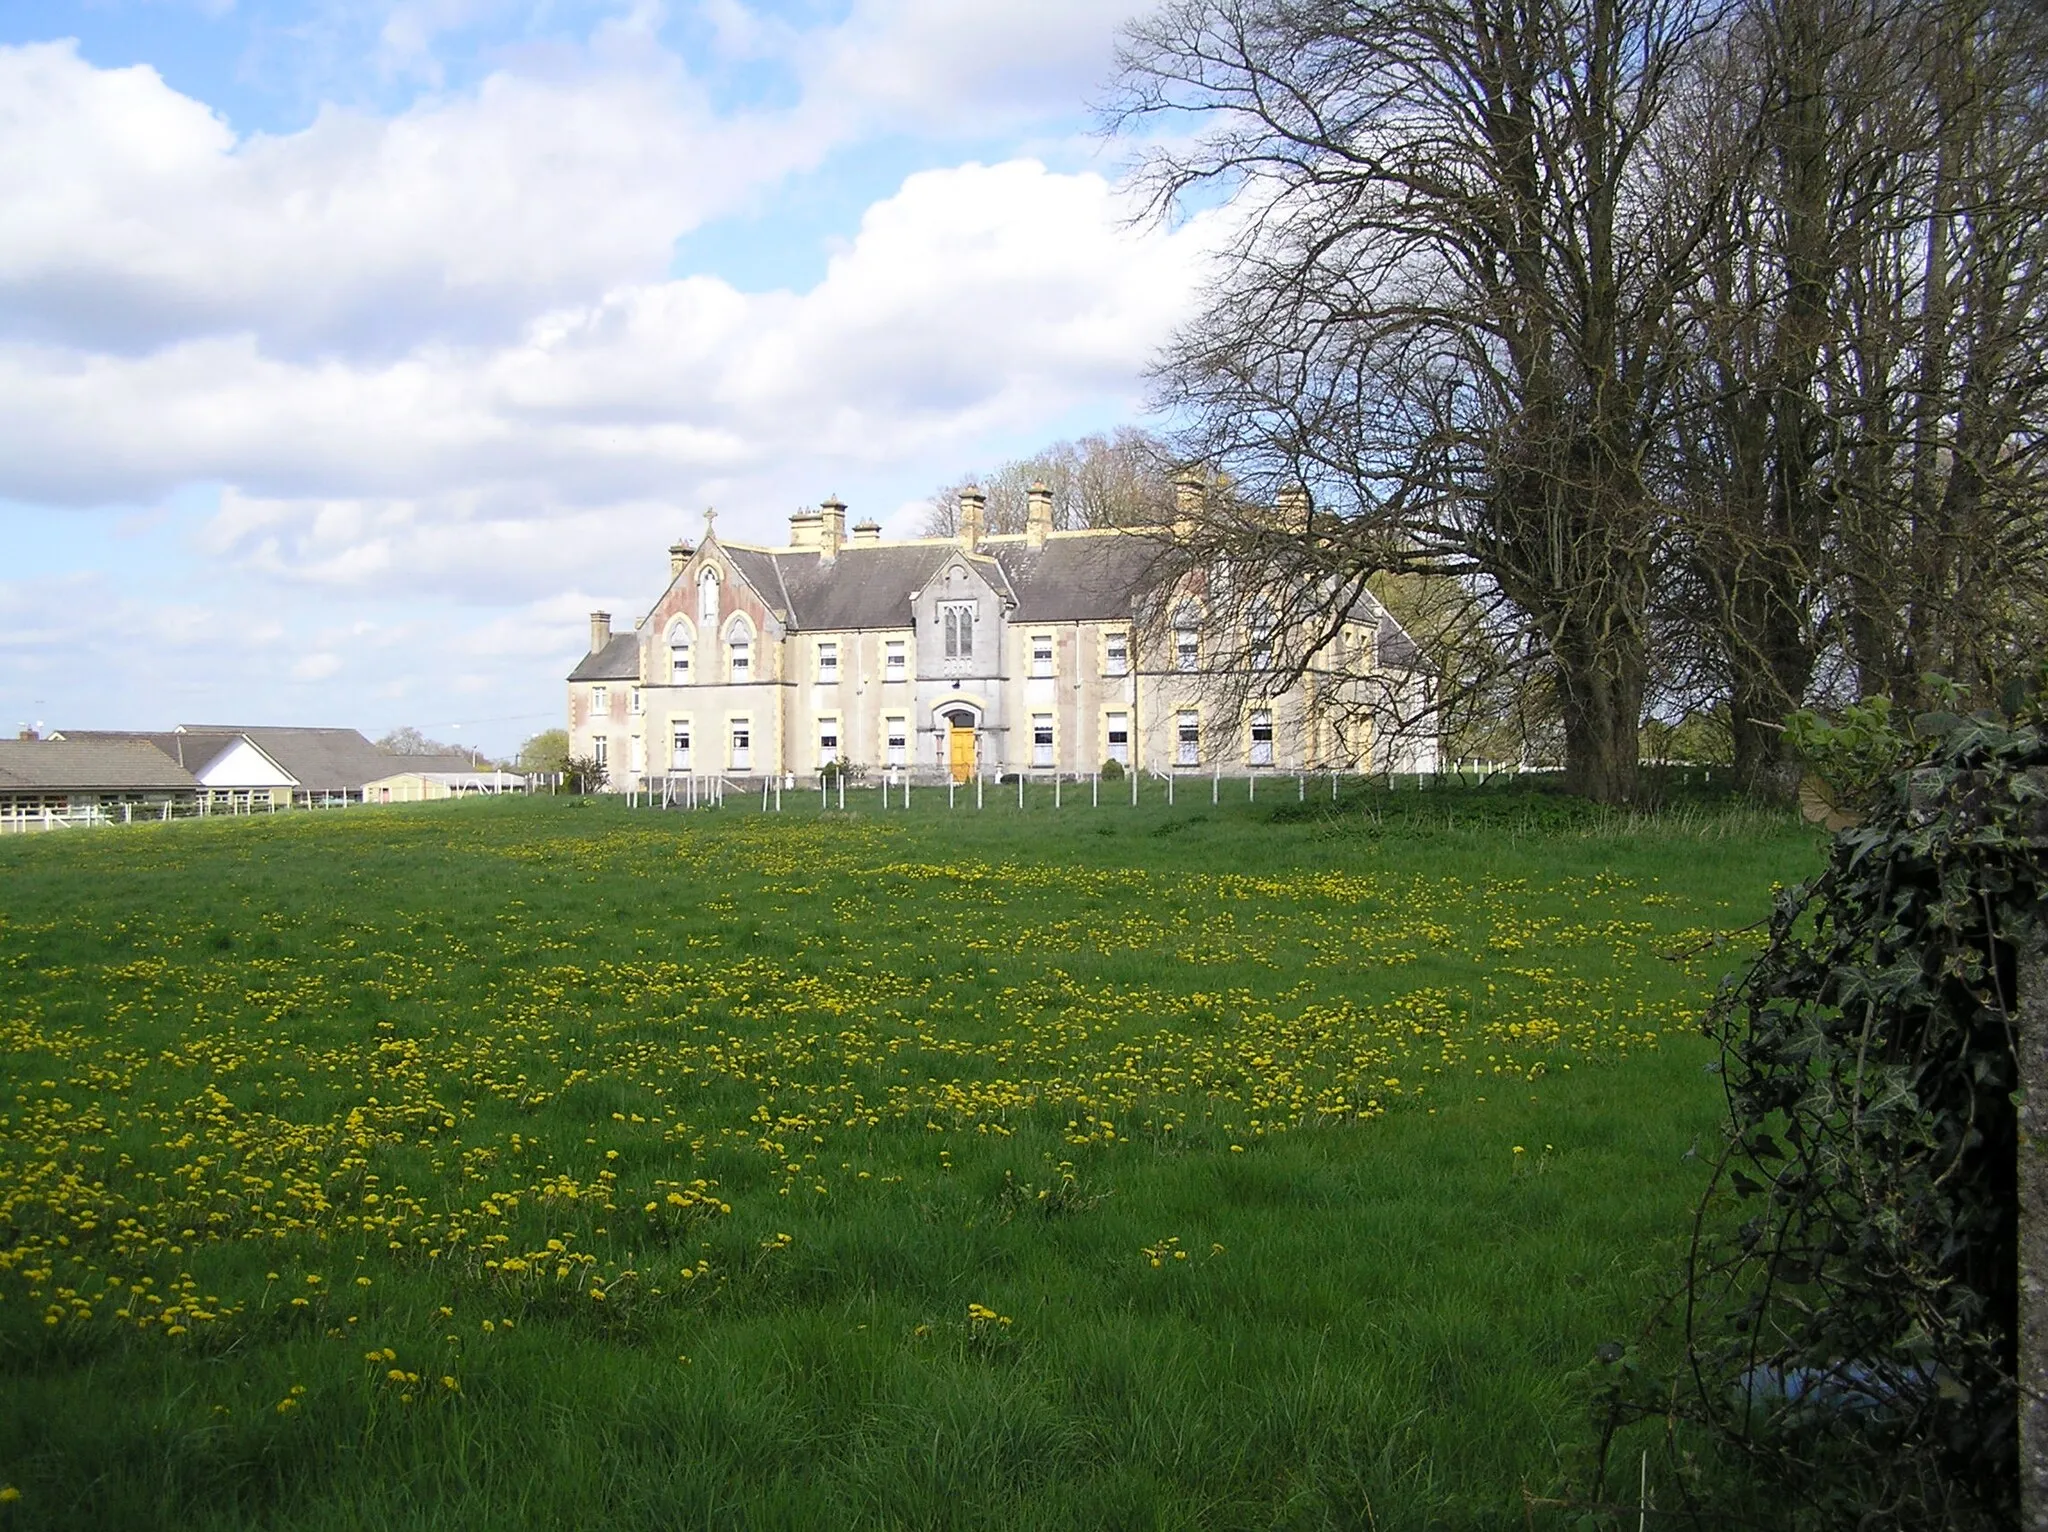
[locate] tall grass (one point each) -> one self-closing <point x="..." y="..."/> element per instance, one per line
<point x="1153" y="1168"/>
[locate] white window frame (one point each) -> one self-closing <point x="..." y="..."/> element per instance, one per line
<point x="679" y="646"/>
<point x="1187" y="737"/>
<point x="739" y="744"/>
<point x="1118" y="750"/>
<point x="634" y="703"/>
<point x="679" y="745"/>
<point x="1043" y="651"/>
<point x="1259" y="752"/>
<point x="601" y="750"/>
<point x="829" y="739"/>
<point x="1187" y="648"/>
<point x="600" y="701"/>
<point x="1116" y="654"/>
<point x="828" y="659"/>
<point x="895" y="660"/>
<point x="1043" y="740"/>
<point x="896" y="740"/>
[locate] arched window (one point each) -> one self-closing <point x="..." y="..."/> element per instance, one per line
<point x="679" y="644"/>
<point x="739" y="651"/>
<point x="707" y="599"/>
<point x="1259" y="624"/>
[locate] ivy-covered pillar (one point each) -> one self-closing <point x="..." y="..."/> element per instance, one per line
<point x="2033" y="1361"/>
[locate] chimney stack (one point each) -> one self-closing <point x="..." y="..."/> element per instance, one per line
<point x="600" y="630"/>
<point x="28" y="732"/>
<point x="1037" y="514"/>
<point x="973" y="519"/>
<point x="1190" y="495"/>
<point x="831" y="529"/>
<point x="866" y="533"/>
<point x="1295" y="508"/>
<point x="803" y="529"/>
<point x="678" y="555"/>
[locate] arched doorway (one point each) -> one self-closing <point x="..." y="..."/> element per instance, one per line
<point x="960" y="746"/>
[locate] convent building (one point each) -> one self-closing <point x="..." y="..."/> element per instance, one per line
<point x="965" y="656"/>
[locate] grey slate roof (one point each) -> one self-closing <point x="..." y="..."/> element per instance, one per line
<point x="320" y="760"/>
<point x="1070" y="579"/>
<point x="88" y="765"/>
<point x="193" y="751"/>
<point x="619" y="660"/>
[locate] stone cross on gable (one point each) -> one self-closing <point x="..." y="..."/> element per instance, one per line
<point x="710" y="517"/>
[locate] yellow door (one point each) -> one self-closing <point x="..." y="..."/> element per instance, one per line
<point x="961" y="745"/>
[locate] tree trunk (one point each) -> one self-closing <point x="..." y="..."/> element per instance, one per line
<point x="1600" y="679"/>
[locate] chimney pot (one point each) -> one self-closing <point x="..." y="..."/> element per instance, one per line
<point x="1037" y="514"/>
<point x="973" y="518"/>
<point x="600" y="630"/>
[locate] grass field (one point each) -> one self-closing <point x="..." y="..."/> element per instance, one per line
<point x="542" y="1164"/>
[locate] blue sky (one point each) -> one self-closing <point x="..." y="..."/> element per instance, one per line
<point x="351" y="353"/>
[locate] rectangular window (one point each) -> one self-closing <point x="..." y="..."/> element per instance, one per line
<point x="1041" y="739"/>
<point x="899" y="742"/>
<point x="828" y="740"/>
<point x="1116" y="654"/>
<point x="1187" y="729"/>
<point x="633" y="702"/>
<point x="1119" y="730"/>
<point x="742" y="745"/>
<point x="1262" y="738"/>
<point x="600" y="701"/>
<point x="1187" y="649"/>
<point x="742" y="659"/>
<point x="601" y="750"/>
<point x="893" y="666"/>
<point x="828" y="661"/>
<point x="1041" y="654"/>
<point x="957" y="618"/>
<point x="679" y="659"/>
<point x="679" y="748"/>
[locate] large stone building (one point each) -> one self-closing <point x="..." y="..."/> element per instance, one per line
<point x="975" y="655"/>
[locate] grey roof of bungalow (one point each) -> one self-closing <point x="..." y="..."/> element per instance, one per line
<point x="89" y="765"/>
<point x="319" y="760"/>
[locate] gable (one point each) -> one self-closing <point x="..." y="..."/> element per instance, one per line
<point x="243" y="765"/>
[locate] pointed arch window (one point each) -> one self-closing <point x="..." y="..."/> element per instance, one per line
<point x="739" y="651"/>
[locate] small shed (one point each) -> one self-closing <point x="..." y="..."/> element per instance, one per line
<point x="428" y="786"/>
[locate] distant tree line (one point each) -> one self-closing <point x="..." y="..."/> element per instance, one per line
<point x="1689" y="352"/>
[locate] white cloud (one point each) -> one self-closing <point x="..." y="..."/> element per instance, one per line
<point x="977" y="300"/>
<point x="137" y="217"/>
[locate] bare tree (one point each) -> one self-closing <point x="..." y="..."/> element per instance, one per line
<point x="1121" y="478"/>
<point x="1447" y="314"/>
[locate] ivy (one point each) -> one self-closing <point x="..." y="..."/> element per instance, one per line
<point x="1850" y="1305"/>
